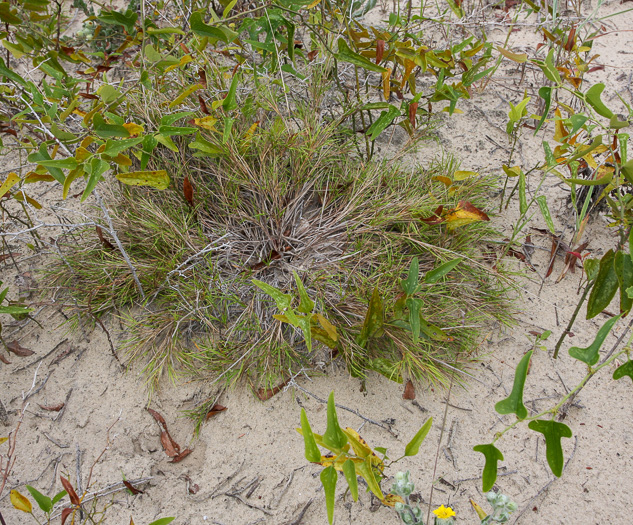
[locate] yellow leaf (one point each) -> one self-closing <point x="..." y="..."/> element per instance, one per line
<point x="206" y="122"/>
<point x="314" y="4"/>
<point x="513" y="171"/>
<point x="185" y="93"/>
<point x="2" y="440"/>
<point x="20" y="502"/>
<point x="386" y="84"/>
<point x="480" y="512"/>
<point x="157" y="179"/>
<point x="328" y="327"/>
<point x="121" y="160"/>
<point x="560" y="132"/>
<point x="133" y="129"/>
<point x="391" y="499"/>
<point x="408" y="67"/>
<point x="32" y="176"/>
<point x="74" y="174"/>
<point x="82" y="153"/>
<point x="516" y="57"/>
<point x="464" y="213"/>
<point x="250" y="131"/>
<point x="12" y="180"/>
<point x="87" y="141"/>
<point x="463" y="175"/>
<point x="20" y="196"/>
<point x="444" y="180"/>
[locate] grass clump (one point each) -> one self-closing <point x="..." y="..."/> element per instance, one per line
<point x="287" y="197"/>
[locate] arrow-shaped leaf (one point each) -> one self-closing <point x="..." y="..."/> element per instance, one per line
<point x="553" y="432"/>
<point x="411" y="282"/>
<point x="624" y="370"/>
<point x="350" y="475"/>
<point x="437" y="273"/>
<point x="492" y="455"/>
<point x="413" y="447"/>
<point x="591" y="354"/>
<point x="513" y="404"/>
<point x="334" y="436"/>
<point x="329" y="477"/>
<point x="605" y="286"/>
<point x="311" y="450"/>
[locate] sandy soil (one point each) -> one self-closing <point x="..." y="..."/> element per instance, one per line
<point x="247" y="464"/>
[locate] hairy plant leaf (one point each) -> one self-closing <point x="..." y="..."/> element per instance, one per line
<point x="624" y="370"/>
<point x="44" y="502"/>
<point x="605" y="286"/>
<point x="156" y="179"/>
<point x="591" y="354"/>
<point x="513" y="404"/>
<point x="493" y="455"/>
<point x="624" y="271"/>
<point x="443" y="269"/>
<point x="349" y="470"/>
<point x="553" y="432"/>
<point x="345" y="54"/>
<point x="311" y="450"/>
<point x="334" y="436"/>
<point x="329" y="477"/>
<point x="413" y="447"/>
<point x="414" y="306"/>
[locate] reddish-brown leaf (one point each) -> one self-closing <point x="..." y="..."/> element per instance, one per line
<point x="181" y="456"/>
<point x="215" y="409"/>
<point x="52" y="408"/>
<point x="409" y="391"/>
<point x="203" y="105"/>
<point x="413" y="109"/>
<point x="187" y="189"/>
<point x="380" y="50"/>
<point x="65" y="514"/>
<point x="571" y="39"/>
<point x="435" y="218"/>
<point x="599" y="67"/>
<point x="9" y="131"/>
<point x="312" y="55"/>
<point x="103" y="68"/>
<point x="555" y="244"/>
<point x="6" y="256"/>
<point x="193" y="489"/>
<point x="19" y="350"/>
<point x="89" y="96"/>
<point x="132" y="488"/>
<point x="171" y="448"/>
<point x="202" y="75"/>
<point x="67" y="50"/>
<point x="159" y="419"/>
<point x="265" y="394"/>
<point x="104" y="242"/>
<point x="74" y="499"/>
<point x="4" y="360"/>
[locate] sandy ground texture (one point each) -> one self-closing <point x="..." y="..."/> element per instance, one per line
<point x="247" y="464"/>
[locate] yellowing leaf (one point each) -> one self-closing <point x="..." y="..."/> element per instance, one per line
<point x="444" y="180"/>
<point x="20" y="196"/>
<point x="463" y="175"/>
<point x="250" y="131"/>
<point x="2" y="440"/>
<point x="188" y="91"/>
<point x="516" y="57"/>
<point x="12" y="180"/>
<point x="33" y="176"/>
<point x="513" y="171"/>
<point x="465" y="213"/>
<point x="20" y="502"/>
<point x="133" y="129"/>
<point x="314" y="4"/>
<point x="386" y="84"/>
<point x="328" y="327"/>
<point x="391" y="499"/>
<point x="206" y="122"/>
<point x="82" y="154"/>
<point x="157" y="179"/>
<point x="560" y="132"/>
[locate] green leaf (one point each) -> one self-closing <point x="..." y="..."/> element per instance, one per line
<point x="329" y="477"/>
<point x="283" y="300"/>
<point x="156" y="179"/>
<point x="306" y="305"/>
<point x="345" y="54"/>
<point x="162" y="521"/>
<point x="205" y="147"/>
<point x="334" y="436"/>
<point x="42" y="155"/>
<point x="95" y="169"/>
<point x="552" y="72"/>
<point x="624" y="370"/>
<point x="593" y="99"/>
<point x="59" y="496"/>
<point x="553" y="432"/>
<point x="433" y="332"/>
<point x="414" y="305"/>
<point x="44" y="502"/>
<point x="492" y="455"/>
<point x="221" y="32"/>
<point x="384" y="120"/>
<point x="350" y="475"/>
<point x="6" y="72"/>
<point x="7" y="15"/>
<point x="605" y="286"/>
<point x="311" y="450"/>
<point x="413" y="447"/>
<point x="105" y="130"/>
<point x="67" y="163"/>
<point x="437" y="273"/>
<point x="114" y="147"/>
<point x="523" y="207"/>
<point x="15" y="310"/>
<point x="374" y="319"/>
<point x="542" y="204"/>
<point x="366" y="470"/>
<point x="229" y="102"/>
<point x="591" y="354"/>
<point x="168" y="131"/>
<point x="624" y="271"/>
<point x="545" y="93"/>
<point x="513" y="404"/>
<point x="410" y="284"/>
<point x="386" y="367"/>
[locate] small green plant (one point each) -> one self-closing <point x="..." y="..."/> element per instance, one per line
<point x="502" y="507"/>
<point x="350" y="454"/>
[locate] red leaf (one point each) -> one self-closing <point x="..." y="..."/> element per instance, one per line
<point x="74" y="499"/>
<point x="88" y="96"/>
<point x="4" y="360"/>
<point x="413" y="109"/>
<point x="132" y="488"/>
<point x="312" y="55"/>
<point x="435" y="218"/>
<point x="188" y="191"/>
<point x="53" y="408"/>
<point x="193" y="489"/>
<point x="181" y="456"/>
<point x="202" y="74"/>
<point x="159" y="419"/>
<point x="570" y="39"/>
<point x="409" y="391"/>
<point x="380" y="50"/>
<point x="265" y="394"/>
<point x="599" y="67"/>
<point x="65" y="514"/>
<point x="215" y="409"/>
<point x="19" y="350"/>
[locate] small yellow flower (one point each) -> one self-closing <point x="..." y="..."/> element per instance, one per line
<point x="444" y="512"/>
